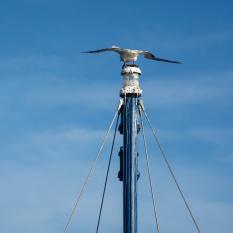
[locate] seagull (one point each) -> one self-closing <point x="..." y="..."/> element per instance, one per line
<point x="131" y="55"/>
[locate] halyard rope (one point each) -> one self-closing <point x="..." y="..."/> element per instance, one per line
<point x="107" y="174"/>
<point x="171" y="171"/>
<point x="91" y="170"/>
<point x="149" y="174"/>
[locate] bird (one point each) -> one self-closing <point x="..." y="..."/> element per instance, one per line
<point x="131" y="55"/>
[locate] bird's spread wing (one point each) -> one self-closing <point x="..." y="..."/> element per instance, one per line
<point x="113" y="48"/>
<point x="151" y="56"/>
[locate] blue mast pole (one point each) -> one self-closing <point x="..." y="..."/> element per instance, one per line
<point x="130" y="165"/>
<point x="128" y="154"/>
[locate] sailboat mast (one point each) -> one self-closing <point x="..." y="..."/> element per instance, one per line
<point x="128" y="153"/>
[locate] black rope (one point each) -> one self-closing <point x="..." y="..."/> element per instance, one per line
<point x="172" y="173"/>
<point x="106" y="178"/>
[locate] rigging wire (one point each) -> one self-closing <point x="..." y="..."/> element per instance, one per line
<point x="171" y="171"/>
<point x="91" y="170"/>
<point x="107" y="174"/>
<point x="149" y="174"/>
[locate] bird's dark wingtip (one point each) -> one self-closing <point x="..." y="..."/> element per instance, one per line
<point x="176" y="62"/>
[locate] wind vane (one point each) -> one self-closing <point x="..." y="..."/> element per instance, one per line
<point x="130" y="111"/>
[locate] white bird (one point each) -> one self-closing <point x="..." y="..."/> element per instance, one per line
<point x="131" y="55"/>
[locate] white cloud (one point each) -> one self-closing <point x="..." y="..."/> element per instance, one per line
<point x="202" y="89"/>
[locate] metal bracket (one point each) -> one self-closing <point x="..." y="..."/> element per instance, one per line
<point x="140" y="105"/>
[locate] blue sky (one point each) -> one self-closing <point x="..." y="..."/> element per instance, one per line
<point x="57" y="103"/>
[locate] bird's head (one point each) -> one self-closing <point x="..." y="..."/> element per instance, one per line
<point x="115" y="47"/>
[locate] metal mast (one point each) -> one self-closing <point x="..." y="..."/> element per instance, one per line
<point x="130" y="110"/>
<point x="129" y="127"/>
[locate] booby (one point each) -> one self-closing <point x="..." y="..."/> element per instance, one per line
<point x="131" y="55"/>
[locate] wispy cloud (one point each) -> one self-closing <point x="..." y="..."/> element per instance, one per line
<point x="46" y="193"/>
<point x="207" y="39"/>
<point x="202" y="89"/>
<point x="223" y="136"/>
<point x="181" y="42"/>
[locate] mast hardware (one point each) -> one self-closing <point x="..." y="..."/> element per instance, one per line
<point x="131" y="74"/>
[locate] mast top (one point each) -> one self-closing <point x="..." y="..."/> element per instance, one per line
<point x="130" y="74"/>
<point x="130" y="68"/>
